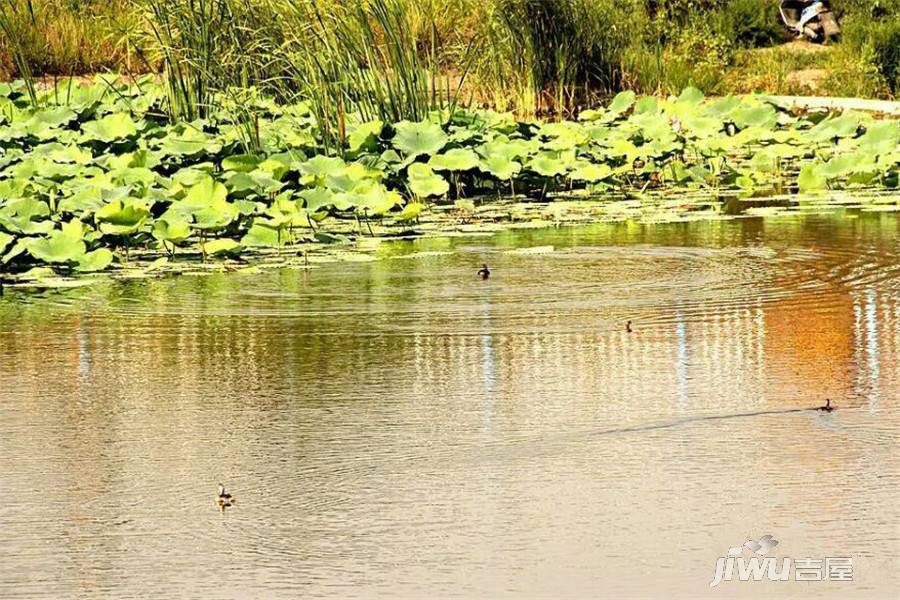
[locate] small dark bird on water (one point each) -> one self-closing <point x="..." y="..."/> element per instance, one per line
<point x="484" y="272"/>
<point x="223" y="498"/>
<point x="628" y="327"/>
<point x="828" y="407"/>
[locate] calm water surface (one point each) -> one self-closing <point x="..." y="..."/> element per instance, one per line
<point x="401" y="429"/>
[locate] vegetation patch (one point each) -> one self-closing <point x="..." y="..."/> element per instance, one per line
<point x="97" y="176"/>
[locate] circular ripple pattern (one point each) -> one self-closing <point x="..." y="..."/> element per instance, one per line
<point x="401" y="429"/>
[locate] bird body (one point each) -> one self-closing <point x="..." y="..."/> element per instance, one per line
<point x="223" y="498"/>
<point x="828" y="407"/>
<point x="484" y="272"/>
<point x="628" y="327"/>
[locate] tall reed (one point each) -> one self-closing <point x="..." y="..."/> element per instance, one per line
<point x="17" y="20"/>
<point x="377" y="59"/>
<point x="553" y="55"/>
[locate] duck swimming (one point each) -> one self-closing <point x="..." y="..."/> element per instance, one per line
<point x="224" y="499"/>
<point x="628" y="327"/>
<point x="484" y="272"/>
<point x="828" y="407"/>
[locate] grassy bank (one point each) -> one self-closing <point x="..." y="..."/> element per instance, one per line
<point x="532" y="56"/>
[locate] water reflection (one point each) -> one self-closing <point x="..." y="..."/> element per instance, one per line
<point x="399" y="429"/>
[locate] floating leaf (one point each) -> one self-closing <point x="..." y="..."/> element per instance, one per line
<point x="221" y="246"/>
<point x="122" y="217"/>
<point x="811" y="179"/>
<point x="112" y="127"/>
<point x="173" y="231"/>
<point x="414" y="139"/>
<point x="411" y="211"/>
<point x="94" y="261"/>
<point x="423" y="182"/>
<point x="240" y="162"/>
<point x="365" y="135"/>
<point x="61" y="246"/>
<point x="457" y="159"/>
<point x="260" y="235"/>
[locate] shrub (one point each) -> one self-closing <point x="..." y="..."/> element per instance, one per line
<point x="749" y="23"/>
<point x="885" y="42"/>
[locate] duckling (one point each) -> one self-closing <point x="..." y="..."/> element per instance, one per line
<point x="484" y="272"/>
<point x="628" y="327"/>
<point x="828" y="407"/>
<point x="224" y="499"/>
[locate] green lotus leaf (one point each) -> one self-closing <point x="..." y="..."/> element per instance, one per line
<point x="621" y="103"/>
<point x="745" y="182"/>
<point x="44" y="122"/>
<point x="318" y="199"/>
<point x="411" y="211"/>
<point x="257" y="181"/>
<point x="839" y="166"/>
<point x="216" y="216"/>
<point x="206" y="192"/>
<point x="591" y="173"/>
<point x="71" y="154"/>
<point x="590" y="115"/>
<point x="13" y="188"/>
<point x="122" y="217"/>
<point x="245" y="207"/>
<point x="315" y="170"/>
<point x="196" y="173"/>
<point x="26" y="207"/>
<point x="762" y="116"/>
<point x="416" y="139"/>
<point x="189" y="142"/>
<point x="457" y="159"/>
<point x="881" y="138"/>
<point x="811" y="178"/>
<point x="133" y="175"/>
<point x="261" y="236"/>
<point x="365" y="136"/>
<point x="562" y="136"/>
<point x="240" y="182"/>
<point x="721" y="107"/>
<point x="548" y="164"/>
<point x="240" y="162"/>
<point x="60" y="246"/>
<point x="94" y="261"/>
<point x="350" y="177"/>
<point x="501" y="167"/>
<point x="423" y="182"/>
<point x="765" y="161"/>
<point x="648" y="105"/>
<point x="21" y="215"/>
<point x="690" y="95"/>
<point x="173" y="231"/>
<point x="221" y="246"/>
<point x="18" y="248"/>
<point x="372" y="198"/>
<point x="112" y="127"/>
<point x="37" y="273"/>
<point x="5" y="240"/>
<point x="834" y="127"/>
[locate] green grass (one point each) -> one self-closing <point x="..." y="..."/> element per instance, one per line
<point x="396" y="59"/>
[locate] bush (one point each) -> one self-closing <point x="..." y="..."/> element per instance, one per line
<point x="555" y="53"/>
<point x="885" y="43"/>
<point x="749" y="23"/>
<point x="63" y="38"/>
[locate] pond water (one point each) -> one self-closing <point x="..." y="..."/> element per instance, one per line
<point x="401" y="429"/>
